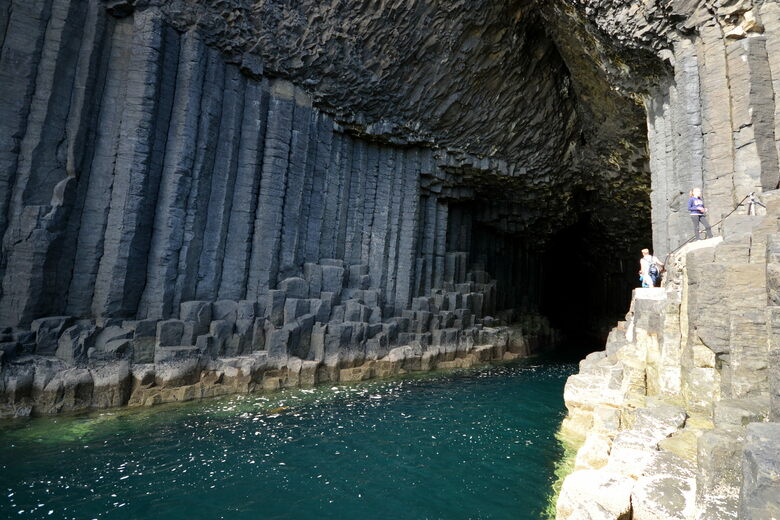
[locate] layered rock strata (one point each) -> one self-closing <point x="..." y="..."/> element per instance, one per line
<point x="680" y="414"/>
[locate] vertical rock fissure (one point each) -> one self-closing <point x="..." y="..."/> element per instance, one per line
<point x="5" y="20"/>
<point x="203" y="169"/>
<point x="91" y="225"/>
<point x="97" y="48"/>
<point x="122" y="271"/>
<point x="18" y="81"/>
<point x="220" y="200"/>
<point x="175" y="183"/>
<point x="269" y="199"/>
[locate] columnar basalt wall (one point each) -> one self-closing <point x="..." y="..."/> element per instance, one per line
<point x="715" y="126"/>
<point x="710" y="98"/>
<point x="156" y="153"/>
<point x="678" y="416"/>
<point x="199" y="198"/>
<point x="144" y="171"/>
<point x="679" y="413"/>
<point x="169" y="203"/>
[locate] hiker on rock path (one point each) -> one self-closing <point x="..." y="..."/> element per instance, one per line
<point x="698" y="213"/>
<point x="650" y="269"/>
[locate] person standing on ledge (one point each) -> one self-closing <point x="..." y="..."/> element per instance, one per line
<point x="698" y="213"/>
<point x="650" y="269"/>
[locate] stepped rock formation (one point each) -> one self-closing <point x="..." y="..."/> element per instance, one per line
<point x="675" y="409"/>
<point x="679" y="415"/>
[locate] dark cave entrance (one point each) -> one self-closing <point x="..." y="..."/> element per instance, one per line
<point x="585" y="290"/>
<point x="575" y="278"/>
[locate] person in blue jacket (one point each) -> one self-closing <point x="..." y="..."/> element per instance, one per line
<point x="698" y="213"/>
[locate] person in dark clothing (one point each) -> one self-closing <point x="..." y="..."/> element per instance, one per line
<point x="698" y="213"/>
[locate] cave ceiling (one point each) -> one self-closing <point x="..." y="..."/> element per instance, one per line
<point x="528" y="87"/>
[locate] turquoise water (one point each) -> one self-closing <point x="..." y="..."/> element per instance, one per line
<point x="478" y="444"/>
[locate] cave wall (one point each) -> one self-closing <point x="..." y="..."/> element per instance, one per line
<point x="164" y="152"/>
<point x="707" y="73"/>
<point x="182" y="221"/>
<point x="142" y="170"/>
<point x="715" y="125"/>
<point x="160" y="156"/>
<point x="679" y="412"/>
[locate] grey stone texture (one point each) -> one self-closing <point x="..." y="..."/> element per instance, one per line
<point x="708" y="73"/>
<point x="150" y="159"/>
<point x="201" y="183"/>
<point x="312" y="192"/>
<point x="760" y="494"/>
<point x="705" y="345"/>
<point x="150" y="361"/>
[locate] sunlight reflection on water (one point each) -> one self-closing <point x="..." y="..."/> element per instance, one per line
<point x="476" y="444"/>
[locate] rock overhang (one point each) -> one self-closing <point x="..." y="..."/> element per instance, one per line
<point x="525" y="88"/>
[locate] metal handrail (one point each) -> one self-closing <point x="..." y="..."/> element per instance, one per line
<point x="753" y="200"/>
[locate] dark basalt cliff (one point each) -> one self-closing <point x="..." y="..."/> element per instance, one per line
<point x="680" y="413"/>
<point x="205" y="197"/>
<point x="146" y="142"/>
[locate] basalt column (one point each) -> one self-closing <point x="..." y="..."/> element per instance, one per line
<point x="151" y="172"/>
<point x="712" y="123"/>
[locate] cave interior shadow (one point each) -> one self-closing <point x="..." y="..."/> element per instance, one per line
<point x="584" y="293"/>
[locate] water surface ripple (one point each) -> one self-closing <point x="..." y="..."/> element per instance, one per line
<point x="472" y="445"/>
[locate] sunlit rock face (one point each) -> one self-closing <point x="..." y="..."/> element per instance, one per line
<point x="680" y="413"/>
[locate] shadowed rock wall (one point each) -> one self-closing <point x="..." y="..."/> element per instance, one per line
<point x="143" y="170"/>
<point x="164" y="152"/>
<point x="167" y="203"/>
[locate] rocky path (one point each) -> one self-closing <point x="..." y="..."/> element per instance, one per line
<point x="679" y="415"/>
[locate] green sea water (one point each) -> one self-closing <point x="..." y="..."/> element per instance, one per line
<point x="476" y="444"/>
